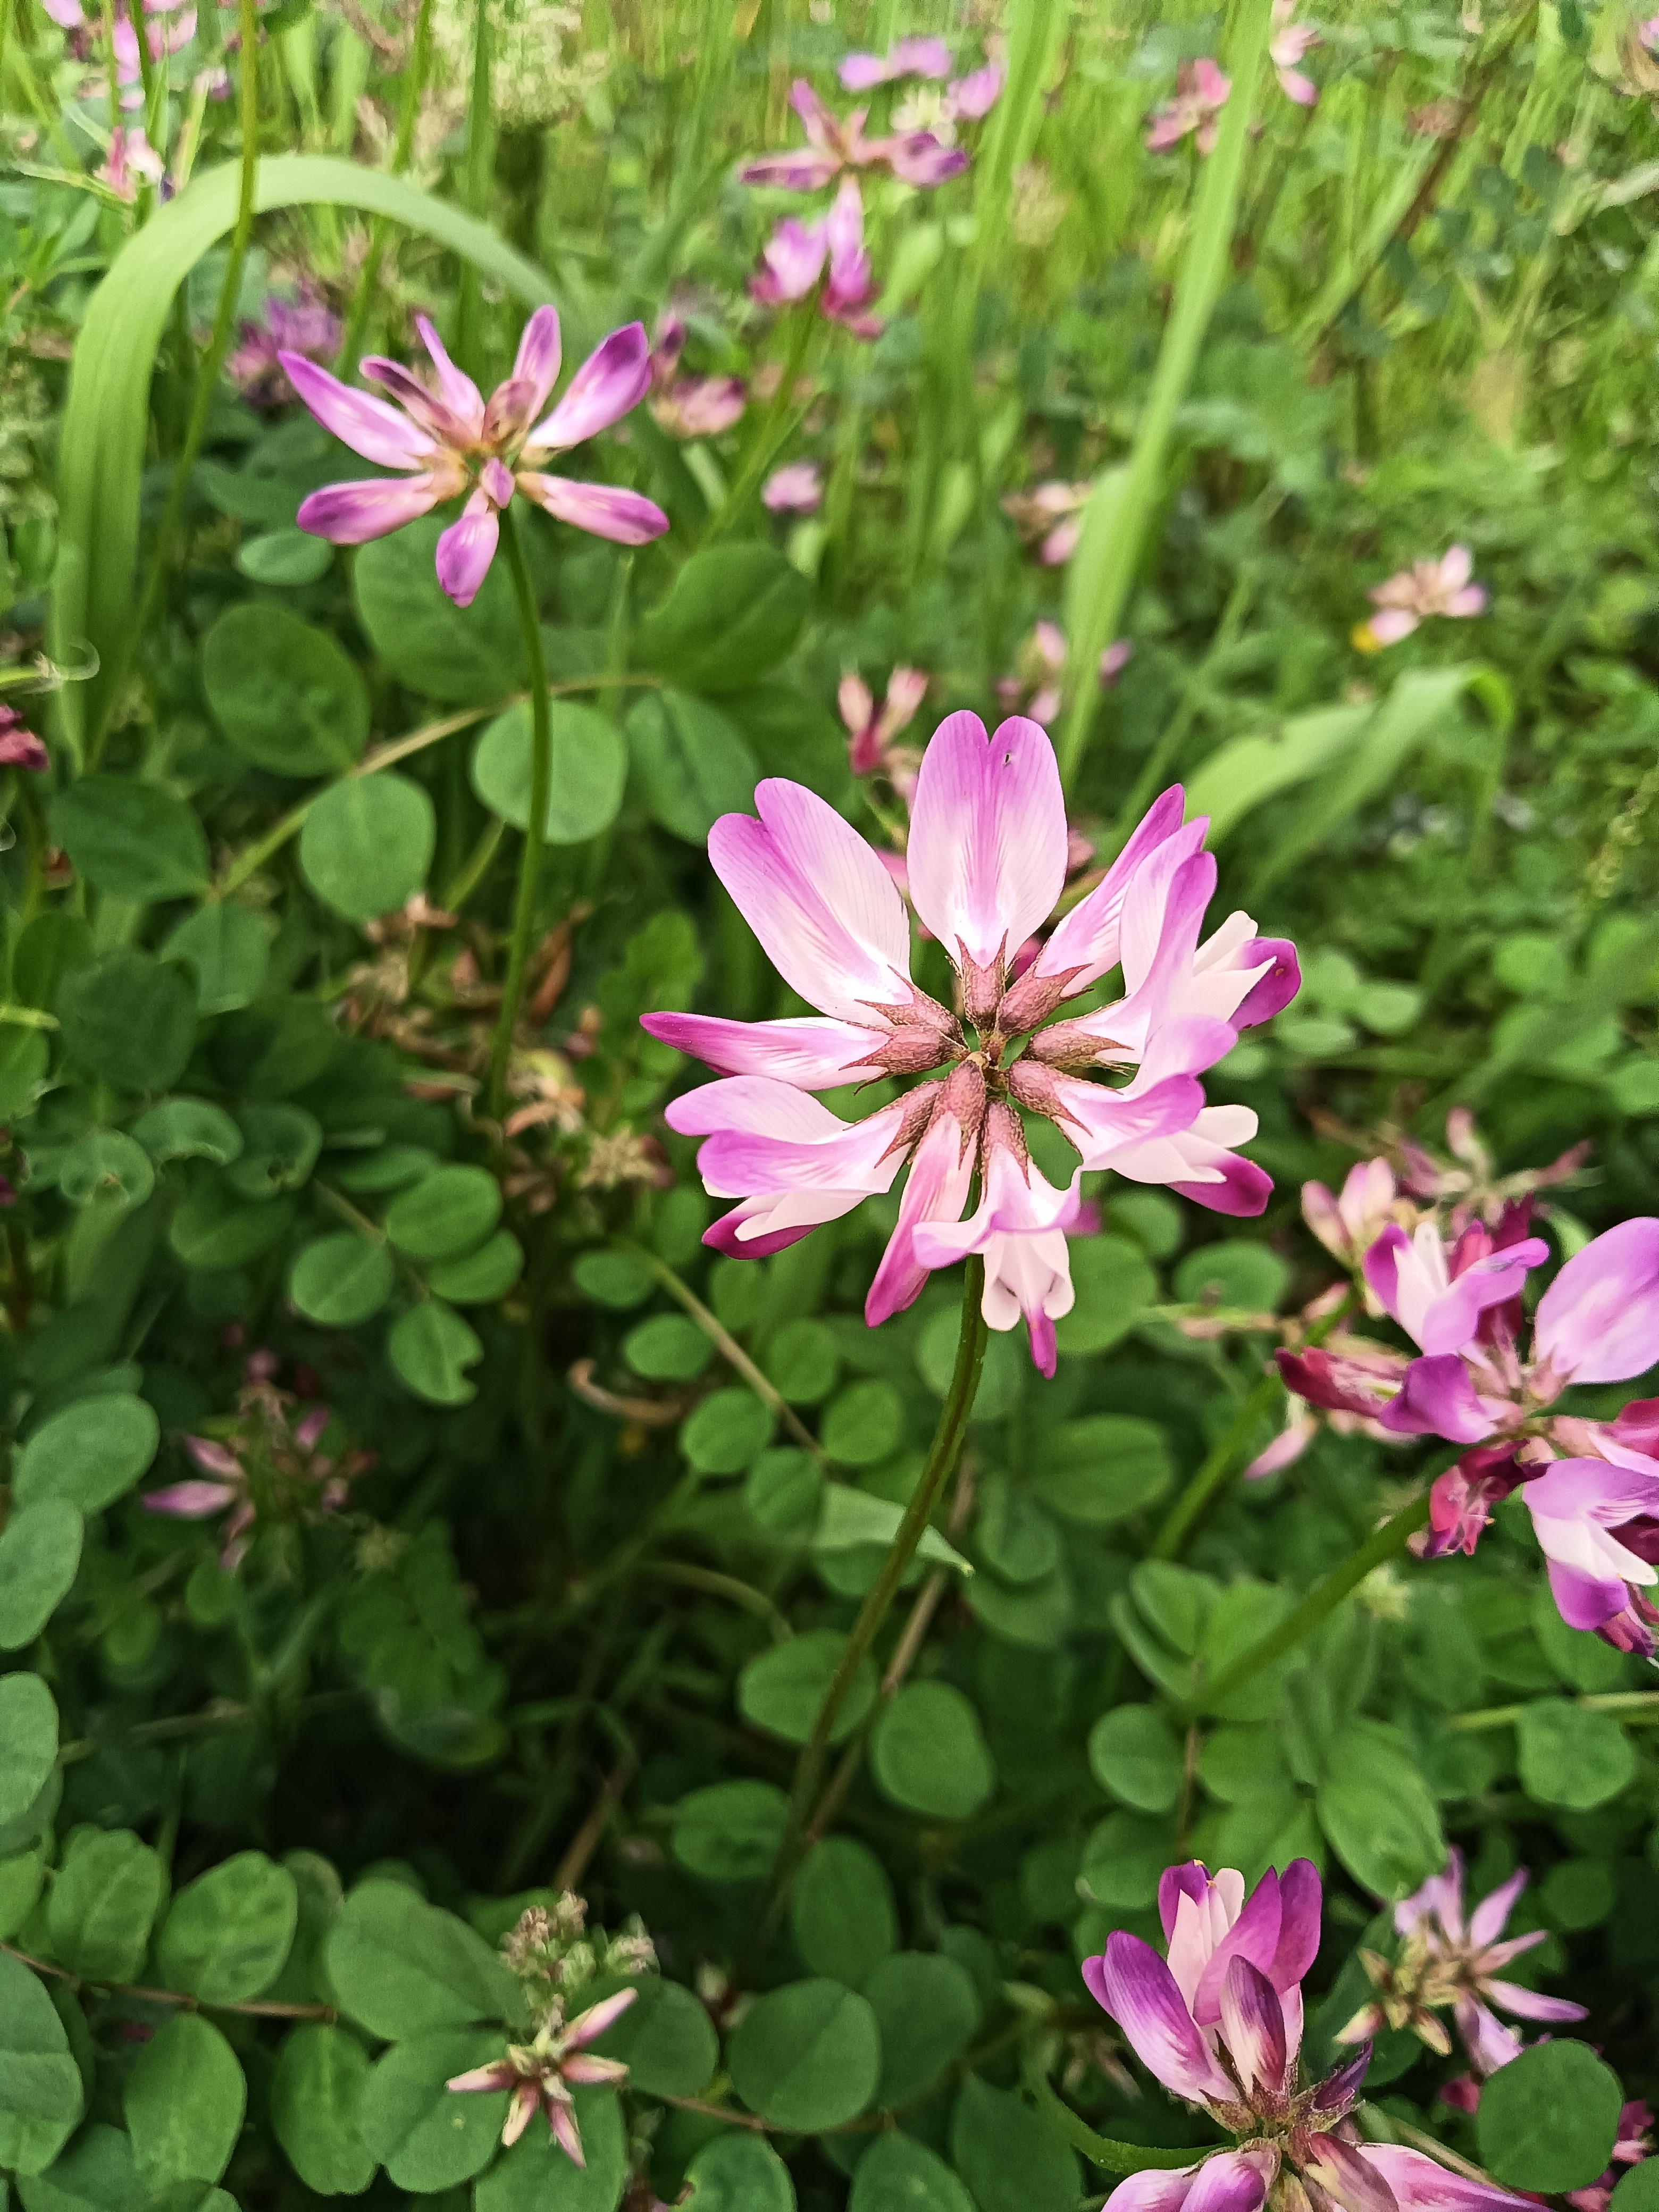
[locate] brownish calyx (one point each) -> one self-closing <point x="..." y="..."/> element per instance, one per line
<point x="1071" y="1044"/>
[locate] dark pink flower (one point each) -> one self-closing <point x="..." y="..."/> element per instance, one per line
<point x="448" y="442"/>
<point x="835" y="142"/>
<point x="1201" y="93"/>
<point x="305" y="324"/>
<point x="1220" y="2026"/>
<point x="799" y="254"/>
<point x="19" y="746"/>
<point x="541" y="2074"/>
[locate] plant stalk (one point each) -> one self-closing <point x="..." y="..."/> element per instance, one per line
<point x="535" y="835"/>
<point x="1322" y="1600"/>
<point x="380" y="231"/>
<point x="207" y="380"/>
<point x="480" y="153"/>
<point x="767" y="441"/>
<point x="942" y="1457"/>
<point x="1111" y="2157"/>
<point x="1120" y="510"/>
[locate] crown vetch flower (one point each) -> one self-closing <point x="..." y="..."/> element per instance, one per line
<point x="305" y="324"/>
<point x="1219" y="2023"/>
<point x="904" y="58"/>
<point x="1290" y="43"/>
<point x="871" y="730"/>
<point x="448" y="442"/>
<point x="1427" y="588"/>
<point x="1201" y="93"/>
<point x="690" y="406"/>
<point x="1591" y="1487"/>
<point x="986" y="859"/>
<point x="835" y="142"/>
<point x="19" y="746"/>
<point x="795" y="489"/>
<point x="1448" y="1960"/>
<point x="541" y="2074"/>
<point x="1633" y="2144"/>
<point x="799" y="254"/>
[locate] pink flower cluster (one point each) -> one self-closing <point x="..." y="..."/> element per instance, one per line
<point x="305" y="324"/>
<point x="1416" y="594"/>
<point x="1591" y="1487"/>
<point x="1219" y="2023"/>
<point x="448" y="442"/>
<point x="690" y="406"/>
<point x="269" y="1463"/>
<point x="988" y="854"/>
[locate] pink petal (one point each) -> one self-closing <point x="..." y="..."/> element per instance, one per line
<point x="562" y="2122"/>
<point x="1107" y="1126"/>
<point x="624" y="516"/>
<point x="1470" y="601"/>
<point x="214" y="1458"/>
<point x="977" y="93"/>
<point x="190" y="1501"/>
<point x="826" y="910"/>
<point x="1301" y="1904"/>
<point x="1233" y="2181"/>
<point x="1084" y="944"/>
<point x="1421" y="2184"/>
<point x="1271" y="992"/>
<point x="1252" y="2025"/>
<point x="458" y="391"/>
<point x="586" y="2072"/>
<point x="1153" y="2192"/>
<point x="1599" y="1320"/>
<point x="499" y="2075"/>
<point x="937" y="1191"/>
<point x="466" y="548"/>
<point x="1297" y="87"/>
<point x="739" y="1163"/>
<point x="1190" y="1880"/>
<point x="1528" y="2004"/>
<point x="919" y="158"/>
<point x="816" y="121"/>
<point x="1347" y="2172"/>
<point x="771" y="1221"/>
<point x="380" y="434"/>
<point x="352" y="514"/>
<point x="1583" y="1600"/>
<point x="1456" y="567"/>
<point x="1438" y="1398"/>
<point x="613" y="379"/>
<point x="1491" y="1917"/>
<point x="456" y="431"/>
<point x="1253" y="1937"/>
<point x="1389" y="626"/>
<point x="1133" y="1983"/>
<point x="520" y="2112"/>
<point x="589" y="2026"/>
<point x="795" y="489"/>
<point x="987" y="855"/>
<point x="857" y="73"/>
<point x="537" y="364"/>
<point x="800" y="171"/>
<point x="814" y="1055"/>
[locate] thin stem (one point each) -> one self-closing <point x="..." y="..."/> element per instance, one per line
<point x="727" y="1347"/>
<point x="469" y="316"/>
<point x="1633" y="1707"/>
<point x="261" y="2008"/>
<point x="1124" y="509"/>
<point x="379" y="231"/>
<point x="942" y="1458"/>
<point x="1322" y="1600"/>
<point x="535" y="835"/>
<point x="767" y="441"/>
<point x="207" y="381"/>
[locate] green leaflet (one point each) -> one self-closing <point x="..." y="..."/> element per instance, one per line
<point x="105" y="420"/>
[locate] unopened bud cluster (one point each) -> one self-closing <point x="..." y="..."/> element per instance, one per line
<point x="556" y="1956"/>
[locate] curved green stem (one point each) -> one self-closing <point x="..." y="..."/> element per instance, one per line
<point x="535" y="835"/>
<point x="480" y="157"/>
<point x="1101" y="2150"/>
<point x="213" y="361"/>
<point x="942" y="1456"/>
<point x="1322" y="1600"/>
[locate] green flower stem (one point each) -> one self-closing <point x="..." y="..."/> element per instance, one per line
<point x="1218" y="1465"/>
<point x="1218" y="1468"/>
<point x="1635" y="1708"/>
<point x="534" y="836"/>
<point x="942" y="1457"/>
<point x="776" y="425"/>
<point x="1322" y="1600"/>
<point x="213" y="361"/>
<point x="727" y="1345"/>
<point x="1123" y="505"/>
<point x="480" y="162"/>
<point x="1111" y="2157"/>
<point x="380" y="231"/>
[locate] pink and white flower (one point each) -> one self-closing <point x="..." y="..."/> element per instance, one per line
<point x="1448" y="1961"/>
<point x="987" y="857"/>
<point x="1348" y="1225"/>
<point x="1415" y="594"/>
<point x="1591" y="1487"/>
<point x="795" y="489"/>
<point x="929" y="57"/>
<point x="542" y="2074"/>
<point x="1291" y="41"/>
<point x="1052" y="514"/>
<point x="690" y="406"/>
<point x="448" y="442"/>
<point x="827" y="257"/>
<point x="1201" y="93"/>
<point x="836" y="143"/>
<point x="19" y="746"/>
<point x="1219" y="2024"/>
<point x="871" y="730"/>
